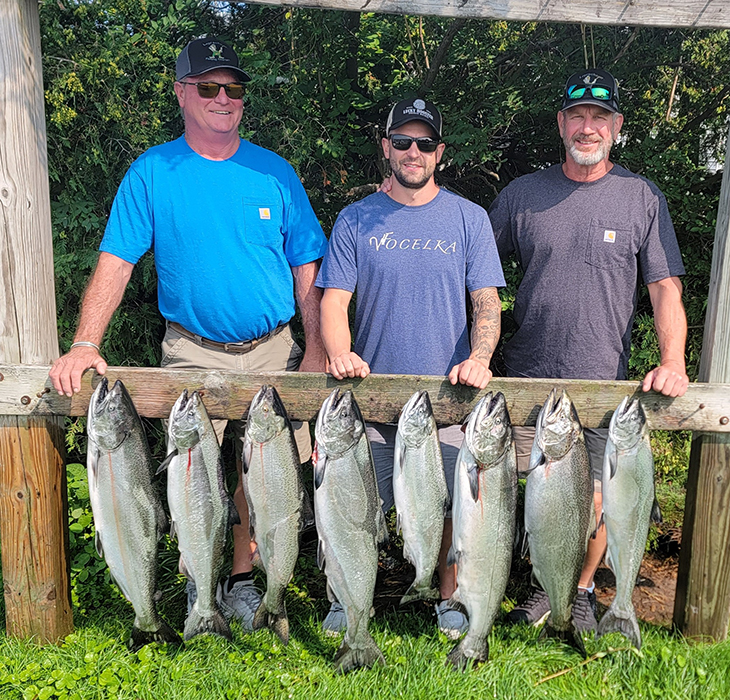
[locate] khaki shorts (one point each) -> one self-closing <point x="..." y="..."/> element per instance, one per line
<point x="596" y="439"/>
<point x="278" y="354"/>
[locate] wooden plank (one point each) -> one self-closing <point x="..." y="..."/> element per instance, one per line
<point x="652" y="13"/>
<point x="702" y="602"/>
<point x="33" y="508"/>
<point x="25" y="390"/>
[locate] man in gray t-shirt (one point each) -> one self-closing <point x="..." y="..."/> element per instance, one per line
<point x="411" y="254"/>
<point x="584" y="233"/>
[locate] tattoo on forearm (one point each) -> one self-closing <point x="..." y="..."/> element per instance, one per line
<point x="486" y="324"/>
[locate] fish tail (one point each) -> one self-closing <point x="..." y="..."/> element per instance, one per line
<point x="570" y="636"/>
<point x="366" y="654"/>
<point x="469" y="651"/>
<point x="164" y="633"/>
<point x="277" y="622"/>
<point x="628" y="626"/>
<point x="420" y="592"/>
<point x="196" y="624"/>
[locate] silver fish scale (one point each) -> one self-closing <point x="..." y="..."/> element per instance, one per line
<point x="275" y="496"/>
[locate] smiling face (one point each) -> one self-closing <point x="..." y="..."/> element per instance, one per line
<point x="411" y="168"/>
<point x="588" y="132"/>
<point x="213" y="118"/>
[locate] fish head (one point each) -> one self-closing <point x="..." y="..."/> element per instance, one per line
<point x="628" y="424"/>
<point x="489" y="431"/>
<point x="339" y="424"/>
<point x="558" y="426"/>
<point x="188" y="420"/>
<point x="112" y="415"/>
<point x="267" y="416"/>
<point x="416" y="422"/>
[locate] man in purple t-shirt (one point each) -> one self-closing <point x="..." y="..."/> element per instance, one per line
<point x="410" y="254"/>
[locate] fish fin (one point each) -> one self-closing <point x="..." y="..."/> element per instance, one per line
<point x="173" y="530"/>
<point x="319" y="466"/>
<point x="278" y="623"/>
<point x="466" y="653"/>
<point x="98" y="545"/>
<point x="537" y="459"/>
<point x="610" y="460"/>
<point x="246" y="455"/>
<point x="196" y="624"/>
<point x="92" y="458"/>
<point x="399" y="456"/>
<point x="320" y="554"/>
<point x="628" y="626"/>
<point x="472" y="473"/>
<point x="165" y="633"/>
<point x="367" y="654"/>
<point x="453" y="556"/>
<point x="306" y="517"/>
<point x="381" y="537"/>
<point x="166" y="462"/>
<point x="571" y="636"/>
<point x="414" y="593"/>
<point x="163" y="522"/>
<point x="182" y="567"/>
<point x="656" y="513"/>
<point x="398" y="528"/>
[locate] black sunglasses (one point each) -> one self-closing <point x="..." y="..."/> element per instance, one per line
<point x="209" y="90"/>
<point x="598" y="92"/>
<point x="425" y="143"/>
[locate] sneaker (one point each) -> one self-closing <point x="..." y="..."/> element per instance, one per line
<point x="241" y="602"/>
<point x="336" y="620"/>
<point x="585" y="611"/>
<point x="534" y="611"/>
<point x="452" y="622"/>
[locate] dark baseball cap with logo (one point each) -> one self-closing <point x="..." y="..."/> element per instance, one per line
<point x="207" y="54"/>
<point x="592" y="87"/>
<point x="414" y="109"/>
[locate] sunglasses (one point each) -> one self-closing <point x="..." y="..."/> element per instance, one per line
<point x="598" y="92"/>
<point x="210" y="90"/>
<point x="425" y="143"/>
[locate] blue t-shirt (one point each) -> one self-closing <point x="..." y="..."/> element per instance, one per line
<point x="225" y="235"/>
<point x="411" y="267"/>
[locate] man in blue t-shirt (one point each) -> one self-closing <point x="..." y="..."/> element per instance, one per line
<point x="234" y="239"/>
<point x="410" y="254"/>
<point x="585" y="233"/>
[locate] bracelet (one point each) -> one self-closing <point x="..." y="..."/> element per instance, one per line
<point x="85" y="344"/>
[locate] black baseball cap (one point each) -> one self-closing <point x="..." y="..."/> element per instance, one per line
<point x="414" y="109"/>
<point x="593" y="87"/>
<point x="207" y="54"/>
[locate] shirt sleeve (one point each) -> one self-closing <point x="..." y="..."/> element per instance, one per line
<point x="483" y="268"/>
<point x="659" y="254"/>
<point x="499" y="215"/>
<point x="339" y="267"/>
<point x="304" y="240"/>
<point x="129" y="230"/>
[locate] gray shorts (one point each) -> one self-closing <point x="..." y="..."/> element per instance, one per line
<point x="596" y="439"/>
<point x="382" y="442"/>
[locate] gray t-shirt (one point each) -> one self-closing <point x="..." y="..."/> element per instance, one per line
<point x="581" y="247"/>
<point x="411" y="267"/>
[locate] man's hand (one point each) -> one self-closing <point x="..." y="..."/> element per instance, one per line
<point x="386" y="185"/>
<point x="348" y="364"/>
<point x="67" y="369"/>
<point x="669" y="379"/>
<point x="471" y="372"/>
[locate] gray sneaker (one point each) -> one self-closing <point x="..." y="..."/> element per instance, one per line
<point x="336" y="620"/>
<point x="584" y="611"/>
<point x="241" y="602"/>
<point x="534" y="611"/>
<point x="452" y="622"/>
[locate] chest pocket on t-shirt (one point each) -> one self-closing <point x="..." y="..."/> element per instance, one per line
<point x="264" y="223"/>
<point x="608" y="247"/>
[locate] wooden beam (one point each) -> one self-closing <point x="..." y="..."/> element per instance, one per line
<point x="33" y="502"/>
<point x="652" y="13"/>
<point x="27" y="390"/>
<point x="702" y="603"/>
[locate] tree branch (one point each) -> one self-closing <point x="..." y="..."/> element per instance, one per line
<point x="438" y="59"/>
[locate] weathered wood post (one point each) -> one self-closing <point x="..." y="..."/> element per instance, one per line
<point x="33" y="501"/>
<point x="702" y="603"/>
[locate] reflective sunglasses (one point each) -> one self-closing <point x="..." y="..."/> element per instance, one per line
<point x="425" y="143"/>
<point x="597" y="92"/>
<point x="210" y="90"/>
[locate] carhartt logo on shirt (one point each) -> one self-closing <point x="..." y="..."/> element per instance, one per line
<point x="609" y="236"/>
<point x="264" y="213"/>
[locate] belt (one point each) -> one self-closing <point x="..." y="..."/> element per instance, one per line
<point x="235" y="348"/>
